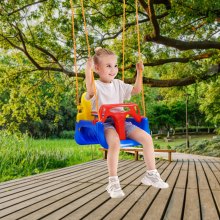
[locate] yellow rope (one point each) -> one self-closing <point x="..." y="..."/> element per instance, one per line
<point x="74" y="48"/>
<point x="88" y="46"/>
<point x="139" y="56"/>
<point x="123" y="40"/>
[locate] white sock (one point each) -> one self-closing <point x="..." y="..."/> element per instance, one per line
<point x="152" y="171"/>
<point x="113" y="178"/>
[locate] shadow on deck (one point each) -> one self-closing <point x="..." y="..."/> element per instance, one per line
<point x="78" y="192"/>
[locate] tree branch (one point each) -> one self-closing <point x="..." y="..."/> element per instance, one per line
<point x="49" y="54"/>
<point x="26" y="6"/>
<point x="183" y="45"/>
<point x="153" y="19"/>
<point x="178" y="82"/>
<point x="175" y="60"/>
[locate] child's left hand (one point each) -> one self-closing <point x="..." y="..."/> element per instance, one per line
<point x="140" y="67"/>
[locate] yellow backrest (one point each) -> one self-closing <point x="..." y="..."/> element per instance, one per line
<point x="84" y="109"/>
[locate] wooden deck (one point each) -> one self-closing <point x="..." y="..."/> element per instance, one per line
<point x="78" y="192"/>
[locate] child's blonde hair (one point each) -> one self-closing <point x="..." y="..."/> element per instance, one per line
<point x="99" y="52"/>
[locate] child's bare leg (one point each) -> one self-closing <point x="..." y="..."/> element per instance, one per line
<point x="152" y="177"/>
<point x="113" y="142"/>
<point x="113" y="188"/>
<point x="148" y="149"/>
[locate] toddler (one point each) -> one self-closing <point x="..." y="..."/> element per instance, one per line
<point x="113" y="91"/>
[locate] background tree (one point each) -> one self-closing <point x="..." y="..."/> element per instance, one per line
<point x="180" y="46"/>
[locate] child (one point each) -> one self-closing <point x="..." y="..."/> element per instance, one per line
<point x="114" y="91"/>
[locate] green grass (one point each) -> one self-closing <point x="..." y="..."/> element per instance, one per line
<point x="23" y="156"/>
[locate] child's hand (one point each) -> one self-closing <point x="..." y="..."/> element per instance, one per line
<point x="89" y="64"/>
<point x="140" y="67"/>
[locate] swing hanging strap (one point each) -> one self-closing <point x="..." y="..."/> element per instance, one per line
<point x="74" y="49"/>
<point x="88" y="46"/>
<point x="139" y="57"/>
<point x="123" y="39"/>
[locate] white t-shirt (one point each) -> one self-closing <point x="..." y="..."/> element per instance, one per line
<point x="115" y="92"/>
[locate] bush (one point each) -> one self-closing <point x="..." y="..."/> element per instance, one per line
<point x="156" y="146"/>
<point x="67" y="135"/>
<point x="203" y="147"/>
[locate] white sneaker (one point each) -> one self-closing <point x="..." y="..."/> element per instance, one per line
<point x="153" y="179"/>
<point x="114" y="189"/>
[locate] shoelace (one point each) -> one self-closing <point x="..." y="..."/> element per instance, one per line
<point x="114" y="187"/>
<point x="156" y="176"/>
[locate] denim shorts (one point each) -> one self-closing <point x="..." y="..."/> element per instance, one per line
<point x="129" y="127"/>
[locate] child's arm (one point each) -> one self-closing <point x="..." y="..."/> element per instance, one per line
<point x="138" y="82"/>
<point x="89" y="82"/>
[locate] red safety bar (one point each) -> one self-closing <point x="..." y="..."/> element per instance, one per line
<point x="119" y="115"/>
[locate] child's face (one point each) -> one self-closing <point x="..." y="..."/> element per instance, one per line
<point x="107" y="68"/>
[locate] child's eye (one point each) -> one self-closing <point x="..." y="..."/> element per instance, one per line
<point x="108" y="66"/>
<point x="116" y="65"/>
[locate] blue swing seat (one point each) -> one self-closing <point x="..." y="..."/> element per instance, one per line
<point x="89" y="132"/>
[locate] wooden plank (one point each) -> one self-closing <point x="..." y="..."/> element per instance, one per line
<point x="176" y="203"/>
<point x="60" y="208"/>
<point x="43" y="191"/>
<point x="144" y="201"/>
<point x="215" y="170"/>
<point x="104" y="178"/>
<point x="80" y="193"/>
<point x="24" y="190"/>
<point x="217" y="164"/>
<point x="192" y="179"/>
<point x="23" y="180"/>
<point x="217" y="199"/>
<point x="38" y="185"/>
<point x="89" y="207"/>
<point x="136" y="176"/>
<point x="110" y="201"/>
<point x="104" y="199"/>
<point x="192" y="207"/>
<point x="43" y="201"/>
<point x="207" y="204"/>
<point x="158" y="207"/>
<point x="43" y="177"/>
<point x="212" y="180"/>
<point x="161" y="165"/>
<point x="121" y="209"/>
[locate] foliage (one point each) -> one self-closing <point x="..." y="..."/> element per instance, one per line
<point x="202" y="147"/>
<point x="41" y="106"/>
<point x="210" y="101"/>
<point x="36" y="59"/>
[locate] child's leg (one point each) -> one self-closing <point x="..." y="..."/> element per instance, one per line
<point x="113" y="188"/>
<point x="148" y="148"/>
<point x="113" y="142"/>
<point x="152" y="177"/>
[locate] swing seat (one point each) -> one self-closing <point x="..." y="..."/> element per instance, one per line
<point x="92" y="132"/>
<point x="87" y="132"/>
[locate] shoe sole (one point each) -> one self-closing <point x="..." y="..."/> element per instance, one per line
<point x="151" y="184"/>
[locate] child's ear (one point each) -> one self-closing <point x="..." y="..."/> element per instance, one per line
<point x="96" y="68"/>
